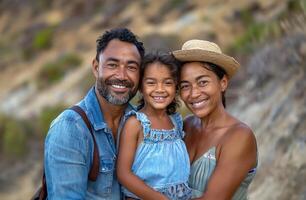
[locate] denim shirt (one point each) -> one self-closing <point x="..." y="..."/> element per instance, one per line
<point x="69" y="154"/>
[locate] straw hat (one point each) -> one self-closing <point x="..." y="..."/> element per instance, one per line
<point x="205" y="51"/>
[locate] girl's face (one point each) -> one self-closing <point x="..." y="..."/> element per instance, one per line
<point x="158" y="86"/>
<point x="200" y="88"/>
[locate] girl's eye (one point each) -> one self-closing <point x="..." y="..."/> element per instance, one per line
<point x="150" y="82"/>
<point x="170" y="82"/>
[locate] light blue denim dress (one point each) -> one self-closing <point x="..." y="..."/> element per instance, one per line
<point x="161" y="160"/>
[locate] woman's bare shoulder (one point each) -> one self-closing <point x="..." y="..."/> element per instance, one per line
<point x="240" y="136"/>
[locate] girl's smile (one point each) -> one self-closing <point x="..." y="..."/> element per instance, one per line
<point x="158" y="87"/>
<point x="159" y="99"/>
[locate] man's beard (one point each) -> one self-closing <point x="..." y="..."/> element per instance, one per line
<point x="104" y="91"/>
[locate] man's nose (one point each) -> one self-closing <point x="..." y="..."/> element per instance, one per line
<point x="121" y="73"/>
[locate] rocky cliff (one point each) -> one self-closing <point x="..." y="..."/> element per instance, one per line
<point x="272" y="100"/>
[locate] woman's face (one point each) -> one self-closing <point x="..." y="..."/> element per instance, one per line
<point x="200" y="88"/>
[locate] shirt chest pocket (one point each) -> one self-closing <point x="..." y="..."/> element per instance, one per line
<point x="103" y="185"/>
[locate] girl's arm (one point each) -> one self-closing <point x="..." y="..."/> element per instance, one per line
<point x="127" y="148"/>
<point x="236" y="157"/>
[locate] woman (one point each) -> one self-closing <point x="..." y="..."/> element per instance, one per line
<point x="222" y="149"/>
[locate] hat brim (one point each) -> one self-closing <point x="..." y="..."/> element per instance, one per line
<point x="229" y="64"/>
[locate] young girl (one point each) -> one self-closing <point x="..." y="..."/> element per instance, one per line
<point x="153" y="162"/>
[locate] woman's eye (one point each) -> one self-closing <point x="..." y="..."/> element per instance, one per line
<point x="184" y="87"/>
<point x="202" y="83"/>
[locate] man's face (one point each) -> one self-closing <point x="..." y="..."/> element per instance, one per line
<point x="117" y="72"/>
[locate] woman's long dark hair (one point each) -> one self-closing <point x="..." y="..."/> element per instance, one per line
<point x="172" y="64"/>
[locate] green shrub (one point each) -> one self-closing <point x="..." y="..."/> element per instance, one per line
<point x="27" y="53"/>
<point x="255" y="34"/>
<point x="43" y="39"/>
<point x="247" y="17"/>
<point x="258" y="33"/>
<point x="296" y="5"/>
<point x="52" y="72"/>
<point x="14" y="139"/>
<point x="47" y="115"/>
<point x="87" y="82"/>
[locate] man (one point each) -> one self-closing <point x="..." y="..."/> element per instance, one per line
<point x="69" y="145"/>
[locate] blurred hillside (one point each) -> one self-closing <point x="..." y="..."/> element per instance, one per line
<point x="46" y="49"/>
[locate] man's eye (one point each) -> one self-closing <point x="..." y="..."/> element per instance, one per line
<point x="132" y="68"/>
<point x="112" y="65"/>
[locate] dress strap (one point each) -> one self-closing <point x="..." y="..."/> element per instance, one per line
<point x="145" y="123"/>
<point x="177" y="120"/>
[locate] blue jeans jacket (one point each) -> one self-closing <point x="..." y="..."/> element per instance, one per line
<point x="69" y="154"/>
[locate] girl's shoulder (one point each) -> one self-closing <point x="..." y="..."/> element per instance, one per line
<point x="140" y="120"/>
<point x="136" y="115"/>
<point x="132" y="121"/>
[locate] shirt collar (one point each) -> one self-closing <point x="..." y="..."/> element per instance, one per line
<point x="94" y="113"/>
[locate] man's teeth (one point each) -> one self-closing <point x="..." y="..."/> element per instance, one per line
<point x="119" y="86"/>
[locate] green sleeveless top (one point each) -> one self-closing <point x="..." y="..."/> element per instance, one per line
<point x="202" y="169"/>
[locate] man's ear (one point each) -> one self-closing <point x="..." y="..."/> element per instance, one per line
<point x="224" y="83"/>
<point x="95" y="67"/>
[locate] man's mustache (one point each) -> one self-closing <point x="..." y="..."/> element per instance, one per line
<point x="125" y="83"/>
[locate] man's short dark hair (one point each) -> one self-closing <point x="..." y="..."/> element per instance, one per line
<point x="122" y="34"/>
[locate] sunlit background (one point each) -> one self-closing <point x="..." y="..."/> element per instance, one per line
<point x="46" y="49"/>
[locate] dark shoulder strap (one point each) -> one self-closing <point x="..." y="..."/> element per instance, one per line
<point x="94" y="170"/>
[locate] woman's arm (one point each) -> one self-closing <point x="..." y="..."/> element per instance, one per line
<point x="127" y="148"/>
<point x="237" y="155"/>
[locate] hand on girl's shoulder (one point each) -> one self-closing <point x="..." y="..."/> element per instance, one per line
<point x="189" y="117"/>
<point x="190" y="122"/>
